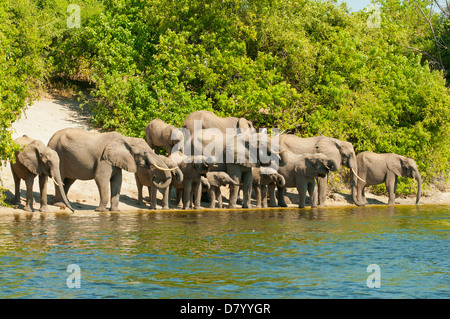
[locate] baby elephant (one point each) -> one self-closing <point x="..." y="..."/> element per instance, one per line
<point x="265" y="178"/>
<point x="375" y="169"/>
<point x="36" y="159"/>
<point x="300" y="171"/>
<point x="215" y="181"/>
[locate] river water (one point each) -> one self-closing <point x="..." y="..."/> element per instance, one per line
<point x="288" y="253"/>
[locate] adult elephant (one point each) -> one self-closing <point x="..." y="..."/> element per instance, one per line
<point x="102" y="156"/>
<point x="341" y="152"/>
<point x="158" y="133"/>
<point x="200" y="120"/>
<point x="378" y="168"/>
<point x="36" y="159"/>
<point x="300" y="171"/>
<point x="236" y="154"/>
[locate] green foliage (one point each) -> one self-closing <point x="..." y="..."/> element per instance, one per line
<point x="20" y="67"/>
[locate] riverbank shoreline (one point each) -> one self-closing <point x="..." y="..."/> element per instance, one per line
<point x="49" y="114"/>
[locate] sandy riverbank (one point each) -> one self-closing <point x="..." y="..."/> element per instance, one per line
<point x="48" y="115"/>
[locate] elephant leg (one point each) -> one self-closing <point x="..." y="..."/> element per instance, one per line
<point x="322" y="185"/>
<point x="43" y="190"/>
<point x="281" y="194"/>
<point x="271" y="193"/>
<point x="257" y="189"/>
<point x="116" y="185"/>
<point x="264" y="190"/>
<point x="212" y="197"/>
<point x="363" y="195"/>
<point x="391" y="185"/>
<point x="139" y="189"/>
<point x="166" y="194"/>
<point x="301" y="188"/>
<point x="197" y="194"/>
<point x="29" y="181"/>
<point x="187" y="195"/>
<point x="219" y="197"/>
<point x="247" y="180"/>
<point x="234" y="191"/>
<point x="178" y="198"/>
<point x="103" y="191"/>
<point x="16" y="189"/>
<point x="311" y="192"/>
<point x="360" y="196"/>
<point x="152" y="194"/>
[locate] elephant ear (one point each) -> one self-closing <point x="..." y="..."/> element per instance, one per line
<point x="118" y="153"/>
<point x="330" y="148"/>
<point x="307" y="167"/>
<point x="31" y="156"/>
<point x="395" y="164"/>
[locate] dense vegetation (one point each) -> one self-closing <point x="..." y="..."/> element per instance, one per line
<point x="308" y="67"/>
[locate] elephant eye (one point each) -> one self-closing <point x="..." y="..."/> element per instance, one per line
<point x="49" y="163"/>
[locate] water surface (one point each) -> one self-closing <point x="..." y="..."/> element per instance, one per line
<point x="297" y="253"/>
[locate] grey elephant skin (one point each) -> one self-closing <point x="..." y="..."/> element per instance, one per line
<point x="236" y="154"/>
<point x="189" y="191"/>
<point x="160" y="134"/>
<point x="300" y="171"/>
<point x="215" y="180"/>
<point x="101" y="156"/>
<point x="341" y="152"/>
<point x="265" y="178"/>
<point x="208" y="119"/>
<point x="145" y="177"/>
<point x="376" y="168"/>
<point x="36" y="159"/>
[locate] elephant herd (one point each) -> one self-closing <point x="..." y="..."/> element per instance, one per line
<point x="208" y="152"/>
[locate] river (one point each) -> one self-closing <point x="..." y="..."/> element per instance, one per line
<point x="272" y="253"/>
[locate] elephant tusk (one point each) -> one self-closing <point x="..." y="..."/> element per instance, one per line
<point x="358" y="176"/>
<point x="280" y="152"/>
<point x="53" y="179"/>
<point x="165" y="169"/>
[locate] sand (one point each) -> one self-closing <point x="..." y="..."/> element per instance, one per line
<point x="48" y="115"/>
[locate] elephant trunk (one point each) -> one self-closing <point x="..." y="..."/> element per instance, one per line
<point x="354" y="170"/>
<point x="419" y="185"/>
<point x="281" y="181"/>
<point x="56" y="177"/>
<point x="164" y="184"/>
<point x="178" y="175"/>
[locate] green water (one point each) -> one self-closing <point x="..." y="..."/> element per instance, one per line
<point x="299" y="253"/>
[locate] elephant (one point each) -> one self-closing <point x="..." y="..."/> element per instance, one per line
<point x="265" y="178"/>
<point x="193" y="168"/>
<point x="376" y="168"/>
<point x="144" y="177"/>
<point x="300" y="171"/>
<point x="341" y="152"/>
<point x="215" y="180"/>
<point x="88" y="155"/>
<point x="236" y="154"/>
<point x="36" y="159"/>
<point x="200" y="120"/>
<point x="159" y="133"/>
